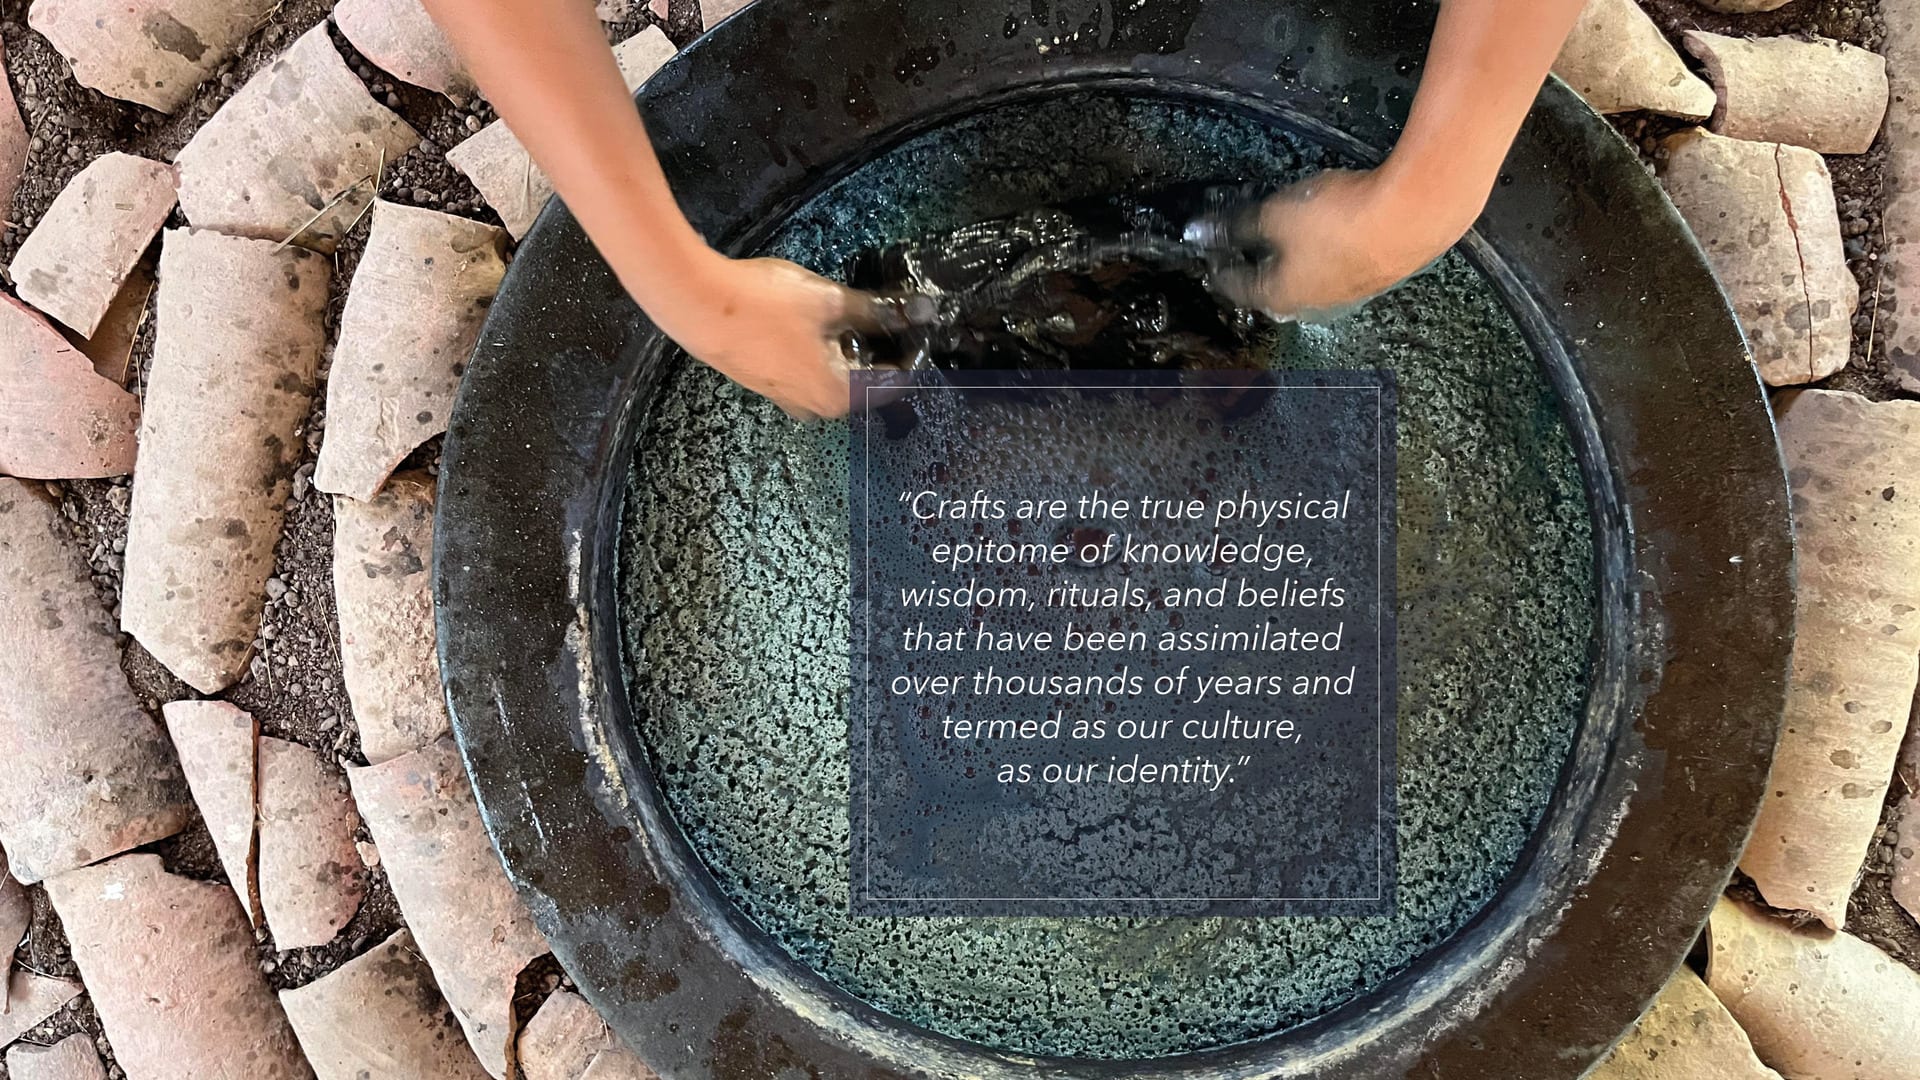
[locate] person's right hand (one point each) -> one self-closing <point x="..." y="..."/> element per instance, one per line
<point x="773" y="327"/>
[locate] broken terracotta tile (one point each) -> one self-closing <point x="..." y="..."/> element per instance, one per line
<point x="73" y="263"/>
<point x="32" y="998"/>
<point x="500" y="167"/>
<point x="712" y="11"/>
<point x="1765" y="215"/>
<point x="311" y="880"/>
<point x="567" y="1040"/>
<point x="59" y="420"/>
<point x="1685" y="1035"/>
<point x="89" y="774"/>
<point x="562" y="1038"/>
<point x="413" y="314"/>
<point x="296" y="152"/>
<point x="171" y="967"/>
<point x="1817" y="1003"/>
<point x="382" y="586"/>
<point x="1899" y="326"/>
<point x="238" y="342"/>
<point x="16" y="914"/>
<point x="110" y="349"/>
<point x="14" y="140"/>
<point x="154" y="52"/>
<point x="399" y="37"/>
<point x="72" y="1058"/>
<point x="1619" y="61"/>
<point x="217" y="745"/>
<point x="1821" y="94"/>
<point x="471" y="926"/>
<point x="1851" y="465"/>
<point x="380" y="1015"/>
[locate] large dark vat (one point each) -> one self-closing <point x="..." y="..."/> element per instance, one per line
<point x="1691" y="542"/>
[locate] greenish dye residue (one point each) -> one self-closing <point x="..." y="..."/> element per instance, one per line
<point x="735" y="600"/>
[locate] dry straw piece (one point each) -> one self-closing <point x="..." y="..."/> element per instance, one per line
<point x="1820" y="94"/>
<point x="1818" y="1004"/>
<point x="293" y="154"/>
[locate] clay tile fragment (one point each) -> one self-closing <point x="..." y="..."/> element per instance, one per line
<point x="567" y="1040"/>
<point x="88" y="774"/>
<point x="401" y="39"/>
<point x="155" y="52"/>
<point x="14" y="139"/>
<point x="311" y="878"/>
<point x="1821" y="94"/>
<point x="382" y="585"/>
<point x="1686" y="1033"/>
<point x="1765" y="215"/>
<point x="32" y="998"/>
<point x="72" y="1058"/>
<point x="171" y="967"/>
<point x="16" y="914"/>
<point x="712" y="11"/>
<point x="500" y="167"/>
<point x="1619" y="61"/>
<point x="1817" y="1003"/>
<point x="72" y="264"/>
<point x="238" y="342"/>
<point x="59" y="420"/>
<point x="471" y="926"/>
<point x="381" y="1015"/>
<point x="412" y="316"/>
<point x="1853" y="469"/>
<point x="296" y="152"/>
<point x="217" y="743"/>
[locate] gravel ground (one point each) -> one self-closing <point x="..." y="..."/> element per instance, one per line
<point x="295" y="688"/>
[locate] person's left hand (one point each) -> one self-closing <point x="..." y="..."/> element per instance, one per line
<point x="1342" y="237"/>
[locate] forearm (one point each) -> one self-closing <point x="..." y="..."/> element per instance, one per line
<point x="546" y="68"/>
<point x="1484" y="69"/>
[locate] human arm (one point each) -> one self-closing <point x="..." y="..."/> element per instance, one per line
<point x="768" y="325"/>
<point x="1342" y="236"/>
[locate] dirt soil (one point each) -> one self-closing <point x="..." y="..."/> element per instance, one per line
<point x="295" y="688"/>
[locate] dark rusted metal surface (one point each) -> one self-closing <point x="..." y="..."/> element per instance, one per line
<point x="1683" y="473"/>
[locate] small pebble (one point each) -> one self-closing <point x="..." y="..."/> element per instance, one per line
<point x="276" y="588"/>
<point x="473" y="123"/>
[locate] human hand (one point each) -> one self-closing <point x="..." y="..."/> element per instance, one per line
<point x="774" y="328"/>
<point x="1338" y="238"/>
